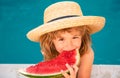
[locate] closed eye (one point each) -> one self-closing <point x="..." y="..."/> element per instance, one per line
<point x="76" y="37"/>
<point x="61" y="39"/>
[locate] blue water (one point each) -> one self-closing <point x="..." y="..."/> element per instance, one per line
<point x="17" y="17"/>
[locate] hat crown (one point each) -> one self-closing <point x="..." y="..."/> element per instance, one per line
<point x="60" y="9"/>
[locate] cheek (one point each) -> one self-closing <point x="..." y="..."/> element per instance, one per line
<point x="78" y="43"/>
<point x="58" y="46"/>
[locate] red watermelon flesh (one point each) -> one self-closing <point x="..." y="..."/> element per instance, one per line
<point x="55" y="65"/>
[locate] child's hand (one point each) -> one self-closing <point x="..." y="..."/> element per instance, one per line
<point x="73" y="71"/>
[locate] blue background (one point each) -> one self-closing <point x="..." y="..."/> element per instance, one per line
<point x="17" y="17"/>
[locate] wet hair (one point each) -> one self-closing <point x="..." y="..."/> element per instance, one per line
<point x="48" y="49"/>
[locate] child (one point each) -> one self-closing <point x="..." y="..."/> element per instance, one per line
<point x="64" y="29"/>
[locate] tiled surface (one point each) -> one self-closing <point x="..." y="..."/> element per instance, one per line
<point x="99" y="71"/>
<point x="106" y="71"/>
<point x="11" y="70"/>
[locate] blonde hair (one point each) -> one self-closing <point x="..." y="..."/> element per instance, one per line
<point x="48" y="48"/>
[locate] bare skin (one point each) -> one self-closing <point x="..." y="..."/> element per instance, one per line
<point x="86" y="64"/>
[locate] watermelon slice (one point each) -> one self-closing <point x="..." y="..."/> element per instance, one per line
<point x="52" y="68"/>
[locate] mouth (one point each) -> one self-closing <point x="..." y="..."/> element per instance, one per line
<point x="69" y="50"/>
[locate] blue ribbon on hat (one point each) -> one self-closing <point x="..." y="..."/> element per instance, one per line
<point x="63" y="17"/>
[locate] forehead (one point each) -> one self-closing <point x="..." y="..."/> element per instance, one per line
<point x="71" y="29"/>
<point x="74" y="30"/>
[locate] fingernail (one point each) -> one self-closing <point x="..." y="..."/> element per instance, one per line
<point x="66" y="64"/>
<point x="61" y="71"/>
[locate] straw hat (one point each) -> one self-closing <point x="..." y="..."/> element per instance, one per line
<point x="62" y="15"/>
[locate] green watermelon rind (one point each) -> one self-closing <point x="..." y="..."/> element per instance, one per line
<point x="54" y="75"/>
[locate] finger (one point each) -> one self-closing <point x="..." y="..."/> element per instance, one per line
<point x="72" y="72"/>
<point x="65" y="74"/>
<point x="75" y="68"/>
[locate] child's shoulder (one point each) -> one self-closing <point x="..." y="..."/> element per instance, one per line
<point x="88" y="55"/>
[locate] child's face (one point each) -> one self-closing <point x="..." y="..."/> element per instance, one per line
<point x="68" y="40"/>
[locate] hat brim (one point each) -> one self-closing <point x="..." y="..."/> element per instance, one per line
<point x="95" y="23"/>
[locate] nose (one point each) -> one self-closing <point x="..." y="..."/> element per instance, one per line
<point x="69" y="45"/>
